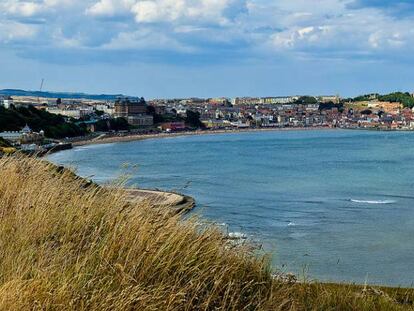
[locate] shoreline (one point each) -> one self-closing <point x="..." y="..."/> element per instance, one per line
<point x="178" y="202"/>
<point x="104" y="139"/>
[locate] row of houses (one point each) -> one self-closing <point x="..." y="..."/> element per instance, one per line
<point x="24" y="136"/>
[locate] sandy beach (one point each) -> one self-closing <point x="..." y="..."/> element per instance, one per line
<point x="111" y="138"/>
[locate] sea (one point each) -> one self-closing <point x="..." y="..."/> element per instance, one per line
<point x="327" y="205"/>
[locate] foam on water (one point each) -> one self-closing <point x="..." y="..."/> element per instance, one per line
<point x="237" y="235"/>
<point x="373" y="201"/>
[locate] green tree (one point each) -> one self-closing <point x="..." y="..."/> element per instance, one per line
<point x="193" y="119"/>
<point x="119" y="124"/>
<point x="55" y="126"/>
<point x="399" y="97"/>
<point x="307" y="100"/>
<point x="331" y="105"/>
<point x="157" y="117"/>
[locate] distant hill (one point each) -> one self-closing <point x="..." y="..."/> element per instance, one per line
<point x="63" y="95"/>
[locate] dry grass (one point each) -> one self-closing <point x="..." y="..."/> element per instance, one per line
<point x="65" y="245"/>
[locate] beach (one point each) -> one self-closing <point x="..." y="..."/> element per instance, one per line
<point x="128" y="137"/>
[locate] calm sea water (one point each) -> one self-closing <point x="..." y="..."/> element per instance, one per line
<point x="336" y="204"/>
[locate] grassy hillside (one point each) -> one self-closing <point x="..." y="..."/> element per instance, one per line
<point x="68" y="245"/>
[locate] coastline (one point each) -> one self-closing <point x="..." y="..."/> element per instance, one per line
<point x="105" y="139"/>
<point x="333" y="133"/>
<point x="178" y="202"/>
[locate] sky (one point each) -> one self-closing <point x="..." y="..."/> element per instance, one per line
<point x="208" y="48"/>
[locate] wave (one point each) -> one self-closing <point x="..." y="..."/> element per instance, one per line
<point x="291" y="224"/>
<point x="237" y="236"/>
<point x="374" y="201"/>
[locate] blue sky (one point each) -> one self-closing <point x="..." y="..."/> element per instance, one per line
<point x="208" y="48"/>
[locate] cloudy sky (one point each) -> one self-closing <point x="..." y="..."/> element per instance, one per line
<point x="179" y="48"/>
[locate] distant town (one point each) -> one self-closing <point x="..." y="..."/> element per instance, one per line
<point x="40" y="124"/>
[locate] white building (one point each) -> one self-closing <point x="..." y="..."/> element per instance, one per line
<point x="12" y="136"/>
<point x="278" y="100"/>
<point x="330" y="98"/>
<point x="25" y="135"/>
<point x="105" y="108"/>
<point x="71" y="113"/>
<point x="6" y="102"/>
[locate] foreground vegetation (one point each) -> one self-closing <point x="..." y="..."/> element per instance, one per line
<point x="70" y="245"/>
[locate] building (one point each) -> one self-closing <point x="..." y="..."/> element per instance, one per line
<point x="106" y="108"/>
<point x="71" y="112"/>
<point x="125" y="108"/>
<point x="141" y="120"/>
<point x="278" y="100"/>
<point x="173" y="126"/>
<point x="216" y="124"/>
<point x="219" y="101"/>
<point x="11" y="136"/>
<point x="26" y="135"/>
<point x="134" y="111"/>
<point x="6" y="101"/>
<point x="245" y="101"/>
<point x="336" y="99"/>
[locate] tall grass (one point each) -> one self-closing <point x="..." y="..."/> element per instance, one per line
<point x="68" y="245"/>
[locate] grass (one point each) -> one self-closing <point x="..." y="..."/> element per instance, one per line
<point x="70" y="245"/>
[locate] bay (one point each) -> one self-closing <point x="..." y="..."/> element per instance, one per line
<point x="334" y="205"/>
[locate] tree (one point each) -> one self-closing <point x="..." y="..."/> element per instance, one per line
<point x="193" y="119"/>
<point x="157" y="117"/>
<point x="55" y="126"/>
<point x="398" y="97"/>
<point x="119" y="124"/>
<point x="307" y="100"/>
<point x="331" y="105"/>
<point x="366" y="112"/>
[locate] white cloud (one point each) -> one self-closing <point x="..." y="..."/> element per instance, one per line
<point x="337" y="29"/>
<point x="145" y="39"/>
<point x="16" y="32"/>
<point x="293" y="38"/>
<point x="258" y="26"/>
<point x="110" y="7"/>
<point x="150" y="11"/>
<point x="31" y="8"/>
<point x="25" y="9"/>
